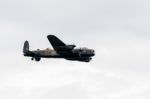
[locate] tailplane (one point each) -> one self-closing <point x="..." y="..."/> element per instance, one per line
<point x="26" y="47"/>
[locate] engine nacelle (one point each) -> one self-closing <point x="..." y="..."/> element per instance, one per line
<point x="66" y="48"/>
<point x="71" y="46"/>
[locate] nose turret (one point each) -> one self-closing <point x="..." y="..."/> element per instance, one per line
<point x="86" y="52"/>
<point x="92" y="52"/>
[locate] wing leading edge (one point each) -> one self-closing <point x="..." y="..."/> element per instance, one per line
<point x="56" y="43"/>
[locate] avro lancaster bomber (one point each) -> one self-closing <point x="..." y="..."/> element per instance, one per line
<point x="61" y="50"/>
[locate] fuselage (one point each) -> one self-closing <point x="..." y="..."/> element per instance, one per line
<point x="50" y="53"/>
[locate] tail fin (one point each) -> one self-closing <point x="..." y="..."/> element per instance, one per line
<point x="26" y="47"/>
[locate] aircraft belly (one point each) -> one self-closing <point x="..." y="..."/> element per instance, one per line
<point x="51" y="55"/>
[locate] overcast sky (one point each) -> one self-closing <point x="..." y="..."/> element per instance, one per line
<point x="118" y="30"/>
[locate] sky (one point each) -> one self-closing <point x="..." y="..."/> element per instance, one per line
<point x="117" y="30"/>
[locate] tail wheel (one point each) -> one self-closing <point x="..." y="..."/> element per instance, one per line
<point x="32" y="58"/>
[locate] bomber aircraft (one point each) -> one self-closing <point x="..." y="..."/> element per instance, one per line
<point x="61" y="50"/>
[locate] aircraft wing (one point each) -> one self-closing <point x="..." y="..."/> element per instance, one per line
<point x="58" y="45"/>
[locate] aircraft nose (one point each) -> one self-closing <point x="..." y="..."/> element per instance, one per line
<point x="93" y="52"/>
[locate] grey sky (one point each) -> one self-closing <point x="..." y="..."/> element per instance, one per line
<point x="117" y="30"/>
